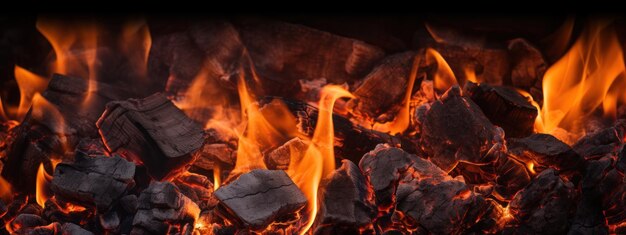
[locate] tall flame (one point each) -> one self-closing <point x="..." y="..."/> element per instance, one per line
<point x="579" y="83"/>
<point x="319" y="158"/>
<point x="42" y="193"/>
<point x="444" y="77"/>
<point x="402" y="120"/>
<point x="75" y="49"/>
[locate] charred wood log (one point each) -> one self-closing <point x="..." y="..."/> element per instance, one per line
<point x="258" y="198"/>
<point x="504" y="107"/>
<point x="198" y="188"/>
<point x="384" y="87"/>
<point x="346" y="205"/>
<point x="152" y="132"/>
<point x="384" y="167"/>
<point x="103" y="180"/>
<point x="547" y="196"/>
<point x="279" y="158"/>
<point x="455" y="129"/>
<point x="546" y="151"/>
<point x="602" y="142"/>
<point x="42" y="135"/>
<point x="351" y="141"/>
<point x="163" y="208"/>
<point x="528" y="67"/>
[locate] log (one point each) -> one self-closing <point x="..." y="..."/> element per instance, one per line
<point x="504" y="107"/>
<point x="40" y="137"/>
<point x="547" y="196"/>
<point x="152" y="132"/>
<point x="347" y="204"/>
<point x="528" y="67"/>
<point x="384" y="167"/>
<point x="258" y="198"/>
<point x="602" y="142"/>
<point x="455" y="129"/>
<point x="161" y="207"/>
<point x="351" y="141"/>
<point x="279" y="158"/>
<point x="198" y="188"/>
<point x="546" y="151"/>
<point x="93" y="181"/>
<point x="384" y="87"/>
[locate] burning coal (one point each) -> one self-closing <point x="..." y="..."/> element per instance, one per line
<point x="266" y="127"/>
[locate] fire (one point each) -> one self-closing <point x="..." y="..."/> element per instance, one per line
<point x="588" y="76"/>
<point x="402" y="120"/>
<point x="319" y="158"/>
<point x="6" y="191"/>
<point x="42" y="191"/>
<point x="29" y="84"/>
<point x="444" y="77"/>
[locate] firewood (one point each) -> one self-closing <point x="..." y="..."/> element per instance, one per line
<point x="346" y="204"/>
<point x="351" y="141"/>
<point x="384" y="166"/>
<point x="26" y="221"/>
<point x="504" y="107"/>
<point x="601" y="142"/>
<point x="162" y="206"/>
<point x="529" y="64"/>
<point x="258" y="198"/>
<point x="546" y="151"/>
<point x="547" y="196"/>
<point x="103" y="180"/>
<point x="455" y="129"/>
<point x="279" y="158"/>
<point x="152" y="132"/>
<point x="384" y="87"/>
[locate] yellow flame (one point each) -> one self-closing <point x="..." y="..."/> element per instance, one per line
<point x="319" y="158"/>
<point x="577" y="84"/>
<point x="217" y="178"/>
<point x="402" y="120"/>
<point x="29" y="84"/>
<point x="43" y="181"/>
<point x="444" y="77"/>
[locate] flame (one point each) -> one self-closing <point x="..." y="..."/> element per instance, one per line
<point x="136" y="43"/>
<point x="319" y="158"/>
<point x="444" y="77"/>
<point x="29" y="84"/>
<point x="576" y="85"/>
<point x="216" y="177"/>
<point x="42" y="192"/>
<point x="6" y="191"/>
<point x="75" y="48"/>
<point x="531" y="167"/>
<point x="402" y="120"/>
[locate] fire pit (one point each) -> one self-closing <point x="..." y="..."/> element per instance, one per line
<point x="308" y="126"/>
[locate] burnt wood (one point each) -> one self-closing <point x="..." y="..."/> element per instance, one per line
<point x="546" y="151"/>
<point x="153" y="132"/>
<point x="346" y="201"/>
<point x="455" y="129"/>
<point x="504" y="107"/>
<point x="258" y="198"/>
<point x="162" y="207"/>
<point x="102" y="180"/>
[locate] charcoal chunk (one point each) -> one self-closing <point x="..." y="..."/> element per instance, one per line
<point x="602" y="142"/>
<point x="24" y="221"/>
<point x="545" y="206"/>
<point x="546" y="150"/>
<point x="504" y="107"/>
<point x="73" y="229"/>
<point x="93" y="181"/>
<point x="280" y="157"/>
<point x="346" y="199"/>
<point x="162" y="206"/>
<point x="384" y="166"/>
<point x="259" y="197"/>
<point x="151" y="131"/>
<point x="455" y="129"/>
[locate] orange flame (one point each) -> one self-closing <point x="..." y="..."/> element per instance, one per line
<point x="402" y="120"/>
<point x="136" y="43"/>
<point x="42" y="192"/>
<point x="576" y="85"/>
<point x="75" y="48"/>
<point x="319" y="158"/>
<point x="217" y="180"/>
<point x="6" y="191"/>
<point x="29" y="84"/>
<point x="444" y="77"/>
